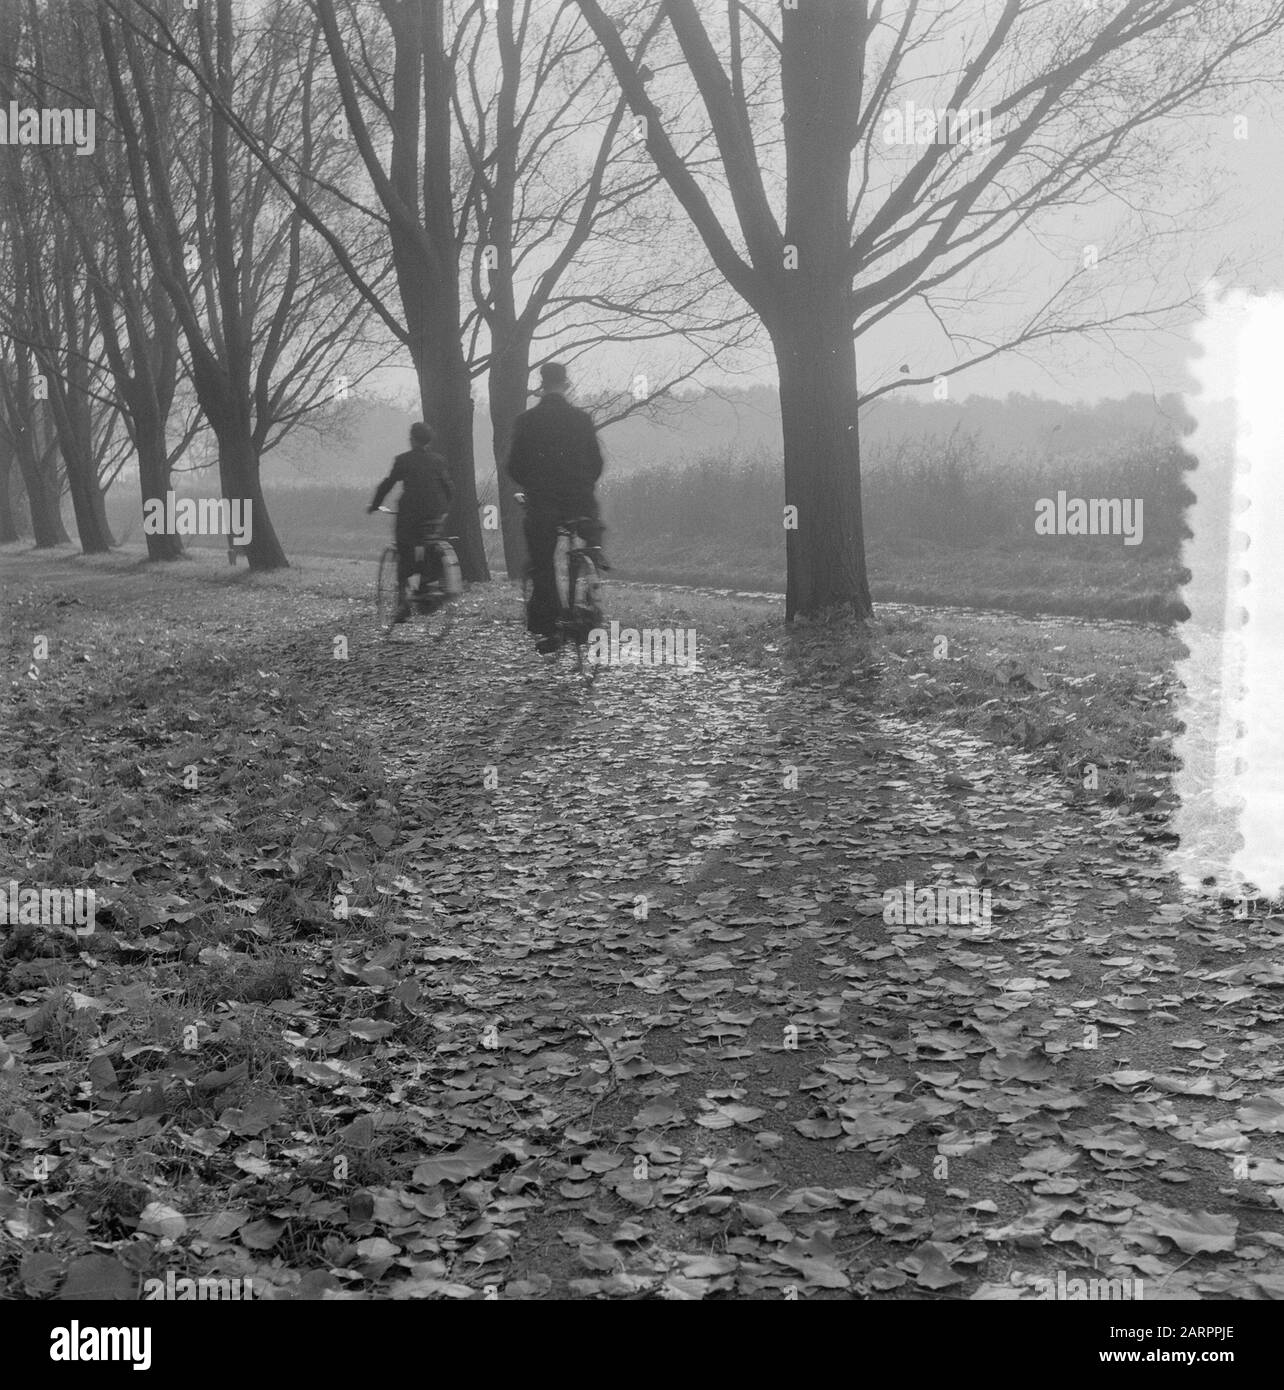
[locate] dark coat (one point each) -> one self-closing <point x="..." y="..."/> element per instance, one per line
<point x="426" y="493"/>
<point x="555" y="456"/>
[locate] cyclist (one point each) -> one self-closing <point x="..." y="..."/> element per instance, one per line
<point x="425" y="500"/>
<point x="556" y="458"/>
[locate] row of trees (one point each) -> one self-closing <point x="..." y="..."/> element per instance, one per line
<point x="284" y="198"/>
<point x="288" y="192"/>
<point x="159" y="285"/>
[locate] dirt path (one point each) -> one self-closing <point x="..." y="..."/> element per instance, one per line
<point x="627" y="1019"/>
<point x="745" y="1079"/>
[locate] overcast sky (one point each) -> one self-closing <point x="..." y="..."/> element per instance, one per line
<point x="1244" y="229"/>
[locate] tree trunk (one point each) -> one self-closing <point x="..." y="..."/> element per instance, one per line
<point x="154" y="476"/>
<point x="446" y="392"/>
<point x="75" y="438"/>
<point x="825" y="556"/>
<point x="89" y="506"/>
<point x="40" y="478"/>
<point x="509" y="373"/>
<point x="8" y="518"/>
<point x="238" y="466"/>
<point x="808" y="313"/>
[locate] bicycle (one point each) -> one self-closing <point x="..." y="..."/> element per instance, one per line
<point x="581" y="582"/>
<point x="431" y="600"/>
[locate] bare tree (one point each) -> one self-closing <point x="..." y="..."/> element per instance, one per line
<point x="137" y="326"/>
<point x="401" y="122"/>
<point x="391" y="68"/>
<point x="51" y="318"/>
<point x="572" y="248"/>
<point x="398" y="83"/>
<point x="28" y="436"/>
<point x="91" y="274"/>
<point x="269" y="333"/>
<point x="59" y="322"/>
<point x="825" y="244"/>
<point x="47" y="420"/>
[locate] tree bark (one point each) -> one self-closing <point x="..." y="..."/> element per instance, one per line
<point x="8" y="517"/>
<point x="238" y="467"/>
<point x="88" y="504"/>
<point x="824" y="556"/>
<point x="46" y="516"/>
<point x="37" y="461"/>
<point x="509" y="337"/>
<point x="808" y="313"/>
<point x="153" y="474"/>
<point x="72" y="420"/>
<point x="446" y="391"/>
<point x="508" y="378"/>
<point x="444" y="381"/>
<point x="146" y="377"/>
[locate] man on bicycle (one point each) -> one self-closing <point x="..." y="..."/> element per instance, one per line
<point x="556" y="458"/>
<point x="425" y="500"/>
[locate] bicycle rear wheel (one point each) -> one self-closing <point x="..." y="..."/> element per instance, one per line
<point x="584" y="612"/>
<point x="440" y="609"/>
<point x="386" y="594"/>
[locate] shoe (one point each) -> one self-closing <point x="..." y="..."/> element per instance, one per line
<point x="548" y="646"/>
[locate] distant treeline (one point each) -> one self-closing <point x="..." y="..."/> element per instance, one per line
<point x="942" y="491"/>
<point x="356" y="449"/>
<point x="723" y="514"/>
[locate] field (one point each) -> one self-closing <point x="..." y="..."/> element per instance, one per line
<point x="941" y="526"/>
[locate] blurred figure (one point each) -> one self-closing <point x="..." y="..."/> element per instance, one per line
<point x="556" y="459"/>
<point x="425" y="500"/>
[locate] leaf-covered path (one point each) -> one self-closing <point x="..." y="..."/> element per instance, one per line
<point x="614" y="1010"/>
<point x="648" y="924"/>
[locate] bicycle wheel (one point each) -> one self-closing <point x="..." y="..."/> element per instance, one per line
<point x="386" y="590"/>
<point x="439" y="609"/>
<point x="584" y="591"/>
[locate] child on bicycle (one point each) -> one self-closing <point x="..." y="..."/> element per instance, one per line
<point x="425" y="500"/>
<point x="555" y="456"/>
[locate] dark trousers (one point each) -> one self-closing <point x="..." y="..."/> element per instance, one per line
<point x="540" y="526"/>
<point x="409" y="563"/>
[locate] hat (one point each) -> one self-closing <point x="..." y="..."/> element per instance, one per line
<point x="552" y="377"/>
